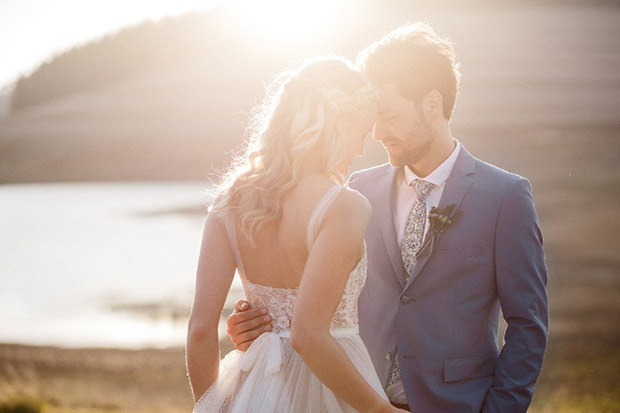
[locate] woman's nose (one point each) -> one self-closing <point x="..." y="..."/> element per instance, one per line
<point x="378" y="130"/>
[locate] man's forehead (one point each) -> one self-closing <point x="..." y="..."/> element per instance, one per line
<point x="389" y="97"/>
<point x="387" y="88"/>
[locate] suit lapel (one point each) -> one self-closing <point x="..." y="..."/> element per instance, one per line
<point x="384" y="207"/>
<point x="457" y="185"/>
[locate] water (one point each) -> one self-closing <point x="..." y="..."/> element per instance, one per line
<point x="99" y="264"/>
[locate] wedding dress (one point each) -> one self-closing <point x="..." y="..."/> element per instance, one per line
<point x="270" y="376"/>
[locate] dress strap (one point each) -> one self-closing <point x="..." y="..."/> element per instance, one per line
<point x="319" y="212"/>
<point x="231" y="232"/>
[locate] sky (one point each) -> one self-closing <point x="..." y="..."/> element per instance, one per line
<point x="33" y="31"/>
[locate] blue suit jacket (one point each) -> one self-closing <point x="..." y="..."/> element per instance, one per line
<point x="444" y="319"/>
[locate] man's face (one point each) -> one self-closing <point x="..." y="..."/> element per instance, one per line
<point x="401" y="127"/>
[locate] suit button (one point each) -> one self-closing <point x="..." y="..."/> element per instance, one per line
<point x="388" y="356"/>
<point x="404" y="299"/>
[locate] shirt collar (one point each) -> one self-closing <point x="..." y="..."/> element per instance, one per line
<point x="440" y="174"/>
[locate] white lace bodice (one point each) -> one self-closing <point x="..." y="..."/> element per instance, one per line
<point x="281" y="301"/>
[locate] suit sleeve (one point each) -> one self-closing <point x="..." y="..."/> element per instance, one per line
<point x="521" y="277"/>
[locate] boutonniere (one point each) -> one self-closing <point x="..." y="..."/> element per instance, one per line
<point x="440" y="220"/>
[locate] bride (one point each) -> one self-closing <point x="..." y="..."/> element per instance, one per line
<point x="295" y="234"/>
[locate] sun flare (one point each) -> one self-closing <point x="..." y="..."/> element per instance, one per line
<point x="292" y="20"/>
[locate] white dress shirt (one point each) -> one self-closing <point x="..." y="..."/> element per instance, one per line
<point x="406" y="195"/>
<point x="405" y="199"/>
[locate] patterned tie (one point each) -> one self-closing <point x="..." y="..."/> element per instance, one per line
<point x="412" y="241"/>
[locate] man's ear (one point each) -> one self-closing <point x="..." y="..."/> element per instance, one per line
<point x="433" y="104"/>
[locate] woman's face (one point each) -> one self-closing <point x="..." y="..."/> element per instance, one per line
<point x="354" y="135"/>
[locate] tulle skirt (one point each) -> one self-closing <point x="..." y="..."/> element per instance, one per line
<point x="271" y="377"/>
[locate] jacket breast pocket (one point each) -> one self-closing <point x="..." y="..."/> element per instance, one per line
<point x="470" y="367"/>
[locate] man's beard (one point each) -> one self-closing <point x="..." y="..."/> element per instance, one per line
<point x="414" y="155"/>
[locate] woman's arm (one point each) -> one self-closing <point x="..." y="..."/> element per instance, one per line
<point x="216" y="269"/>
<point x="334" y="253"/>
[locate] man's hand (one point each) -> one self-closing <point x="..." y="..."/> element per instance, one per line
<point x="245" y="324"/>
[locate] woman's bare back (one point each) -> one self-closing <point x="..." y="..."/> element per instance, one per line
<point x="280" y="253"/>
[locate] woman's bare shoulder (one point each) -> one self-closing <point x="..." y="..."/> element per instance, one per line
<point x="350" y="208"/>
<point x="357" y="199"/>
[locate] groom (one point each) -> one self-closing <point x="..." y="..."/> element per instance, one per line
<point x="437" y="278"/>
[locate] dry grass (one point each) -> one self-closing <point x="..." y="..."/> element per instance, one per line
<point x="93" y="380"/>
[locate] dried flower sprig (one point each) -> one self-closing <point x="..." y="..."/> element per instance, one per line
<point x="439" y="221"/>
